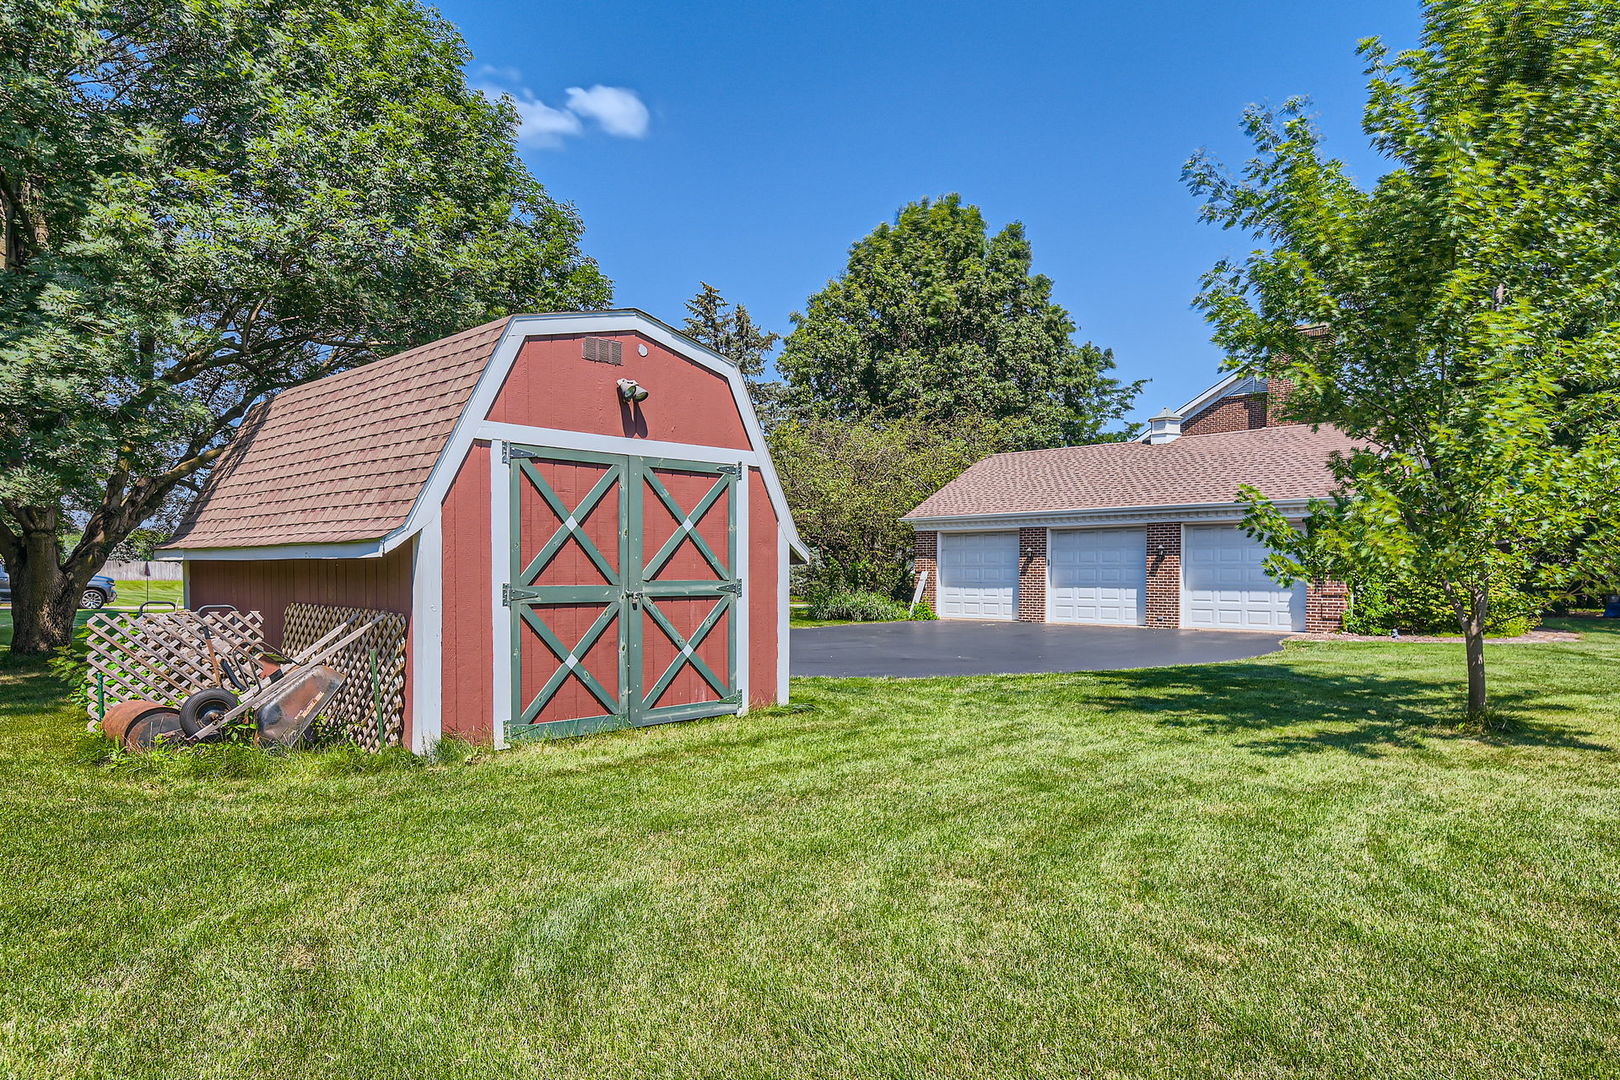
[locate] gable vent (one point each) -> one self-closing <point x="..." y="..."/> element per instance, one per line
<point x="604" y="350"/>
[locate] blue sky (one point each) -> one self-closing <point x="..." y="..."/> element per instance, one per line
<point x="749" y="144"/>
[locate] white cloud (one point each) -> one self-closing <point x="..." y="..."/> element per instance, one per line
<point x="619" y="110"/>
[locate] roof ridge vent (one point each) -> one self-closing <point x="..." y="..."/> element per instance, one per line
<point x="1164" y="427"/>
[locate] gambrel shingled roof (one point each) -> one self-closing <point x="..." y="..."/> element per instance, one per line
<point x="338" y="467"/>
<point x="1285" y="463"/>
<point x="342" y="458"/>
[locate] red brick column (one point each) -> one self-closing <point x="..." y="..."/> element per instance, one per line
<point x="1325" y="605"/>
<point x="927" y="560"/>
<point x="1031" y="575"/>
<point x="1278" y="392"/>
<point x="1164" y="575"/>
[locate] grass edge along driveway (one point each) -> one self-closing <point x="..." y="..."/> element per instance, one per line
<point x="1272" y="868"/>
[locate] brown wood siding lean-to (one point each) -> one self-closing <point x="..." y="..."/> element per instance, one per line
<point x="268" y="586"/>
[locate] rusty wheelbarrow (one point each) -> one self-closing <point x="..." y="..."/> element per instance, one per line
<point x="284" y="701"/>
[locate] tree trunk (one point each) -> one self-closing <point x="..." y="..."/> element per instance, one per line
<point x="1472" y="610"/>
<point x="44" y="596"/>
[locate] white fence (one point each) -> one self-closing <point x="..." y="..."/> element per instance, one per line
<point x="142" y="571"/>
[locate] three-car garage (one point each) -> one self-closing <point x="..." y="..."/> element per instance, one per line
<point x="1100" y="576"/>
<point x="1142" y="533"/>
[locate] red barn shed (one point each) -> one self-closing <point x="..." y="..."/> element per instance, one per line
<point x="576" y="513"/>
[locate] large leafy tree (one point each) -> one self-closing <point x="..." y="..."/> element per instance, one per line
<point x="849" y="483"/>
<point x="935" y="319"/>
<point x="1470" y="300"/>
<point x="205" y="202"/>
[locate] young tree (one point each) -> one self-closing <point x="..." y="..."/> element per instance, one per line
<point x="1469" y="300"/>
<point x="935" y="319"/>
<point x="204" y="203"/>
<point x="729" y="330"/>
<point x="850" y="482"/>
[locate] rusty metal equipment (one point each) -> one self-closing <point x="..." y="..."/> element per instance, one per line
<point x="299" y="686"/>
<point x="285" y="697"/>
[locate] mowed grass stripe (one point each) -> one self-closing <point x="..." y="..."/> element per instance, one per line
<point x="1280" y="867"/>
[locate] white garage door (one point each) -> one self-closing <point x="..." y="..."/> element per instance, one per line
<point x="978" y="575"/>
<point x="1224" y="585"/>
<point x="1097" y="576"/>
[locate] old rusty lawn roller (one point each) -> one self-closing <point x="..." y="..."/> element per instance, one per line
<point x="283" y="704"/>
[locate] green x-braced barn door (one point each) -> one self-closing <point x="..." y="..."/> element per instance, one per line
<point x="622" y="589"/>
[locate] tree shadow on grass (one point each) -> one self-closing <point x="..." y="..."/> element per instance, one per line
<point x="1295" y="711"/>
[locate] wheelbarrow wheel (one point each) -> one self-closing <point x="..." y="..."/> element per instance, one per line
<point x="155" y="727"/>
<point x="203" y="708"/>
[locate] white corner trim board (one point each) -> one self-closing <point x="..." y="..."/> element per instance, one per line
<point x="500" y="572"/>
<point x="744" y="599"/>
<point x="427" y="630"/>
<point x="783" y="637"/>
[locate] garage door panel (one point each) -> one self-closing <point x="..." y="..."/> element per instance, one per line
<point x="1225" y="585"/>
<point x="1097" y="576"/>
<point x="978" y="575"/>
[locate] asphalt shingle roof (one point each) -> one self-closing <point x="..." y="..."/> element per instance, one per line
<point x="342" y="458"/>
<point x="1289" y="462"/>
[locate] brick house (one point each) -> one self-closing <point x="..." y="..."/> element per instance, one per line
<point x="1140" y="533"/>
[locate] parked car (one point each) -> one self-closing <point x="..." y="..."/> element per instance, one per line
<point x="97" y="594"/>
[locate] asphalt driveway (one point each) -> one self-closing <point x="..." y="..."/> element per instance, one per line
<point x="917" y="649"/>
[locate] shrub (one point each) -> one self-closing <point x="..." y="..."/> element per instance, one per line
<point x="923" y="612"/>
<point x="856" y="607"/>
<point x="1378" y="607"/>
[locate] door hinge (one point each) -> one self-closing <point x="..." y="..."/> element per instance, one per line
<point x="734" y="471"/>
<point x="513" y="593"/>
<point x="733" y="587"/>
<point x="510" y="452"/>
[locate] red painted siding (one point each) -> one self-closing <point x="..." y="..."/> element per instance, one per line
<point x="764" y="577"/>
<point x="552" y="385"/>
<point x="468" y="583"/>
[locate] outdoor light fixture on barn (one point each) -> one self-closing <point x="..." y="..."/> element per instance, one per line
<point x="566" y="565"/>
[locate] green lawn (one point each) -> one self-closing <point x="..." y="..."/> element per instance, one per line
<point x="1278" y="868"/>
<point x="134" y="593"/>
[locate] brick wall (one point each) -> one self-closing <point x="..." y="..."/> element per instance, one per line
<point x="928" y="560"/>
<point x="1325" y="604"/>
<point x="1032" y="575"/>
<point x="1242" y="412"/>
<point x="1164" y="575"/>
<point x="1277" y="401"/>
